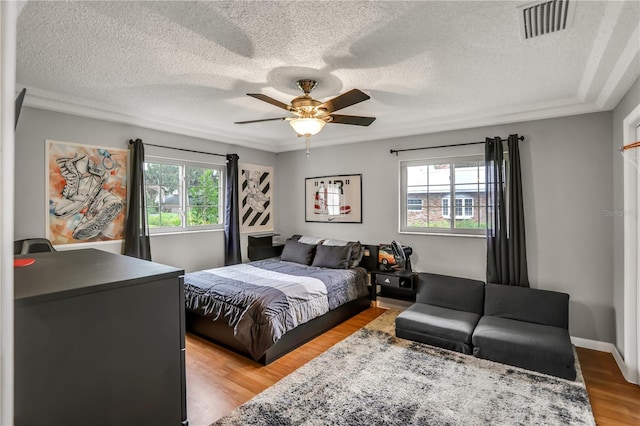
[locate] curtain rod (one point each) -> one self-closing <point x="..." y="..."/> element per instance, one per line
<point x="396" y="151"/>
<point x="183" y="149"/>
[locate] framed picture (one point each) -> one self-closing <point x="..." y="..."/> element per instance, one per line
<point x="334" y="199"/>
<point x="256" y="198"/>
<point x="86" y="192"/>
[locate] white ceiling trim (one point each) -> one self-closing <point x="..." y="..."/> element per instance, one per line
<point x="43" y="99"/>
<point x="627" y="59"/>
<point x="52" y="101"/>
<point x="20" y="4"/>
<point x="601" y="43"/>
<point x="541" y="112"/>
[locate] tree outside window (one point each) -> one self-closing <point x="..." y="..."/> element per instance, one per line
<point x="181" y="196"/>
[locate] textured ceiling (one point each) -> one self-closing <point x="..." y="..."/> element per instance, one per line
<point x="186" y="67"/>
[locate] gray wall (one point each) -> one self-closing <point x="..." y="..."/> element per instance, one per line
<point x="190" y="251"/>
<point x="626" y="105"/>
<point x="567" y="169"/>
<point x="567" y="174"/>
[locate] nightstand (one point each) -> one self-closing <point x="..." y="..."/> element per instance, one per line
<point x="399" y="285"/>
<point x="262" y="247"/>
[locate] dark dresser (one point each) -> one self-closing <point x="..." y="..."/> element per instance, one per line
<point x="99" y="340"/>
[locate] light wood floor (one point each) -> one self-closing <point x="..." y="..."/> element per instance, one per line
<point x="614" y="400"/>
<point x="219" y="380"/>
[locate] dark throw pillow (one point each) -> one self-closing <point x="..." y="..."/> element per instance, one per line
<point x="298" y="252"/>
<point x="357" y="251"/>
<point x="334" y="257"/>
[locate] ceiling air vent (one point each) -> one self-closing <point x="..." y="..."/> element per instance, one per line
<point x="540" y="18"/>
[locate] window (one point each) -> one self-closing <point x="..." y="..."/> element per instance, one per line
<point x="463" y="207"/>
<point x="428" y="188"/>
<point x="445" y="208"/>
<point x="333" y="199"/>
<point x="414" y="204"/>
<point x="183" y="196"/>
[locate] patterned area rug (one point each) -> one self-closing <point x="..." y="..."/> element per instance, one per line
<point x="375" y="378"/>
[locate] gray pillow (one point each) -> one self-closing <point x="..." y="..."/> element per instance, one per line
<point x="334" y="257"/>
<point x="357" y="251"/>
<point x="298" y="252"/>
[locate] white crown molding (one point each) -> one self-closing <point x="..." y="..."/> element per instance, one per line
<point x="609" y="96"/>
<point x="604" y="34"/>
<point x="539" y="112"/>
<point x="52" y="101"/>
<point x="47" y="100"/>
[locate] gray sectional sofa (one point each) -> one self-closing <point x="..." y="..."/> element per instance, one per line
<point x="524" y="327"/>
<point x="446" y="312"/>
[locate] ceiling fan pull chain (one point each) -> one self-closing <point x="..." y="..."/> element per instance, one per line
<point x="308" y="137"/>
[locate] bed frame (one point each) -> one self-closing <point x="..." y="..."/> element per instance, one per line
<point x="219" y="331"/>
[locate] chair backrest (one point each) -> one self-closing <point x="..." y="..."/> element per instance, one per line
<point x="32" y="245"/>
<point x="527" y="304"/>
<point x="461" y="294"/>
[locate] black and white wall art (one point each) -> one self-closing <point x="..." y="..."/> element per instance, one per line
<point x="256" y="198"/>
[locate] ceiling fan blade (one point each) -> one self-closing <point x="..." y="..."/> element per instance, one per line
<point x="346" y="99"/>
<point x="270" y="100"/>
<point x="258" y="121"/>
<point x="352" y="119"/>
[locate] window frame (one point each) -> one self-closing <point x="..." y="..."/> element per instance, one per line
<point x="183" y="196"/>
<point x="404" y="196"/>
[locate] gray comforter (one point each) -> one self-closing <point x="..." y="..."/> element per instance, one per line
<point x="263" y="300"/>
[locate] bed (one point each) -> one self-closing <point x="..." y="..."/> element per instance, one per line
<point x="265" y="309"/>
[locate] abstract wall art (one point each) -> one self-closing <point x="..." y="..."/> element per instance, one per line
<point x="256" y="198"/>
<point x="86" y="192"/>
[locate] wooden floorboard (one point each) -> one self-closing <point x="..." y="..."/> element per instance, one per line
<point x="219" y="380"/>
<point x="614" y="400"/>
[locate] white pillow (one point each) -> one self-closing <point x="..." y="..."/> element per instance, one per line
<point x="310" y="240"/>
<point x="332" y="242"/>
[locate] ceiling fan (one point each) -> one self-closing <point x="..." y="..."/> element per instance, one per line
<point x="310" y="115"/>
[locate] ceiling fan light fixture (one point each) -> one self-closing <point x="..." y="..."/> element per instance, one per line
<point x="311" y="115"/>
<point x="307" y="126"/>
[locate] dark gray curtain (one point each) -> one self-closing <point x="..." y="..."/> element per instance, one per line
<point x="497" y="257"/>
<point x="518" y="273"/>
<point x="232" y="254"/>
<point x="506" y="251"/>
<point x="136" y="237"/>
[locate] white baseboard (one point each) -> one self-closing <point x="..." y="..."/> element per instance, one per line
<point x="604" y="347"/>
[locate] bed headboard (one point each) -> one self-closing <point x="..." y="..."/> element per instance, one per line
<point x="369" y="259"/>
